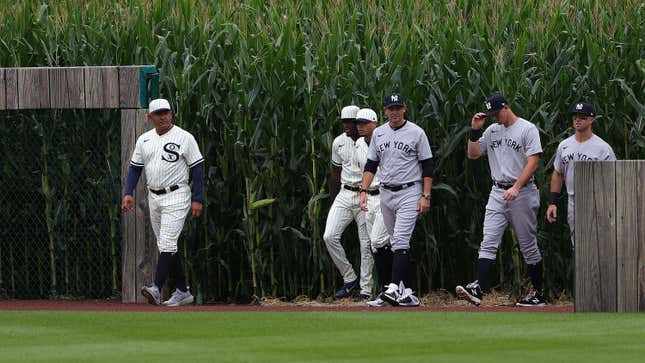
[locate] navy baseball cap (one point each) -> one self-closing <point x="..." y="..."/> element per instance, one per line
<point x="393" y="99"/>
<point x="494" y="104"/>
<point x="584" y="108"/>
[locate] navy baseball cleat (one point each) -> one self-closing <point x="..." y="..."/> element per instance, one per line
<point x="346" y="290"/>
<point x="152" y="294"/>
<point x="533" y="298"/>
<point x="471" y="293"/>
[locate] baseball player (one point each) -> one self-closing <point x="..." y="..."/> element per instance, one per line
<point x="366" y="122"/>
<point x="401" y="151"/>
<point x="584" y="145"/>
<point x="168" y="154"/>
<point x="347" y="173"/>
<point x="513" y="148"/>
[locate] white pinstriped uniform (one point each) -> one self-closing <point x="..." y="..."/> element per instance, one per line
<point x="167" y="160"/>
<point x="376" y="229"/>
<point x="346" y="154"/>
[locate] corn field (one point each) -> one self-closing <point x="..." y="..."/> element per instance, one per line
<point x="261" y="84"/>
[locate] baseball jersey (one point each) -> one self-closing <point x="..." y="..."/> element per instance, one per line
<point x="343" y="154"/>
<point x="361" y="152"/>
<point x="398" y="152"/>
<point x="508" y="149"/>
<point x="570" y="151"/>
<point x="166" y="158"/>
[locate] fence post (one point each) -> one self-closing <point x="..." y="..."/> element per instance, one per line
<point x="610" y="236"/>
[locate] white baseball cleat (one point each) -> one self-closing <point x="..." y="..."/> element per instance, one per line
<point x="179" y="298"/>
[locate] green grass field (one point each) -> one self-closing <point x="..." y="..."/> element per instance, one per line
<point x="321" y="337"/>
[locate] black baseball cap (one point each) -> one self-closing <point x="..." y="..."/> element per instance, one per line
<point x="494" y="104"/>
<point x="393" y="99"/>
<point x="584" y="108"/>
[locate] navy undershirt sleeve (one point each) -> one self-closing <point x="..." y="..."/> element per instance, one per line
<point x="371" y="166"/>
<point x="427" y="168"/>
<point x="131" y="180"/>
<point x="197" y="175"/>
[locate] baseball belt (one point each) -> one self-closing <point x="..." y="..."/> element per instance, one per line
<point x="358" y="189"/>
<point x="165" y="190"/>
<point x="509" y="186"/>
<point x="396" y="188"/>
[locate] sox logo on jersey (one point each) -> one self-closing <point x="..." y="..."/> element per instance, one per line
<point x="160" y="156"/>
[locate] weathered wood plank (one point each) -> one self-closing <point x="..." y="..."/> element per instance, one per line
<point x="147" y="252"/>
<point x="627" y="235"/>
<point x="129" y="290"/>
<point x="67" y="87"/>
<point x="595" y="236"/>
<point x="3" y="93"/>
<point x="33" y="88"/>
<point x="641" y="234"/>
<point x="101" y="87"/>
<point x="129" y="87"/>
<point x="11" y="86"/>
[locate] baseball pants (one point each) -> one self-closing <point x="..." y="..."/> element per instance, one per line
<point x="167" y="215"/>
<point x="375" y="226"/>
<point x="400" y="213"/>
<point x="521" y="213"/>
<point x="345" y="209"/>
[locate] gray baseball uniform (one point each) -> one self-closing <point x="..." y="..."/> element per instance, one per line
<point x="508" y="150"/>
<point x="570" y="151"/>
<point x="398" y="152"/>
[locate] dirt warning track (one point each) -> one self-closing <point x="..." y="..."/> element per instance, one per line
<point x="102" y="305"/>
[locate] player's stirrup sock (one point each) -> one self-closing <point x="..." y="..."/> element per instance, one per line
<point x="484" y="265"/>
<point x="400" y="267"/>
<point x="164" y="263"/>
<point x="383" y="260"/>
<point x="177" y="272"/>
<point x="535" y="274"/>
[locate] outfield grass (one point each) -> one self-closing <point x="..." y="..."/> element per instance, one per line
<point x="322" y="337"/>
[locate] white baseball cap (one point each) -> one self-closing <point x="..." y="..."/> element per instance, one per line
<point x="366" y="115"/>
<point x="349" y="112"/>
<point x="159" y="104"/>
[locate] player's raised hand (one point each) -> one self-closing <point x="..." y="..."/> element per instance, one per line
<point x="478" y="120"/>
<point x="127" y="203"/>
<point x="552" y="213"/>
<point x="197" y="209"/>
<point x="362" y="202"/>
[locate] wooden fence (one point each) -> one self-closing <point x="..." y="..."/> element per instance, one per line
<point x="128" y="88"/>
<point x="610" y="236"/>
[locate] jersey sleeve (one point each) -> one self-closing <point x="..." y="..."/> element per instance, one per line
<point x="610" y="156"/>
<point x="557" y="160"/>
<point x="193" y="156"/>
<point x="532" y="144"/>
<point x="483" y="141"/>
<point x="371" y="151"/>
<point x="336" y="160"/>
<point x="137" y="155"/>
<point x="423" y="146"/>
